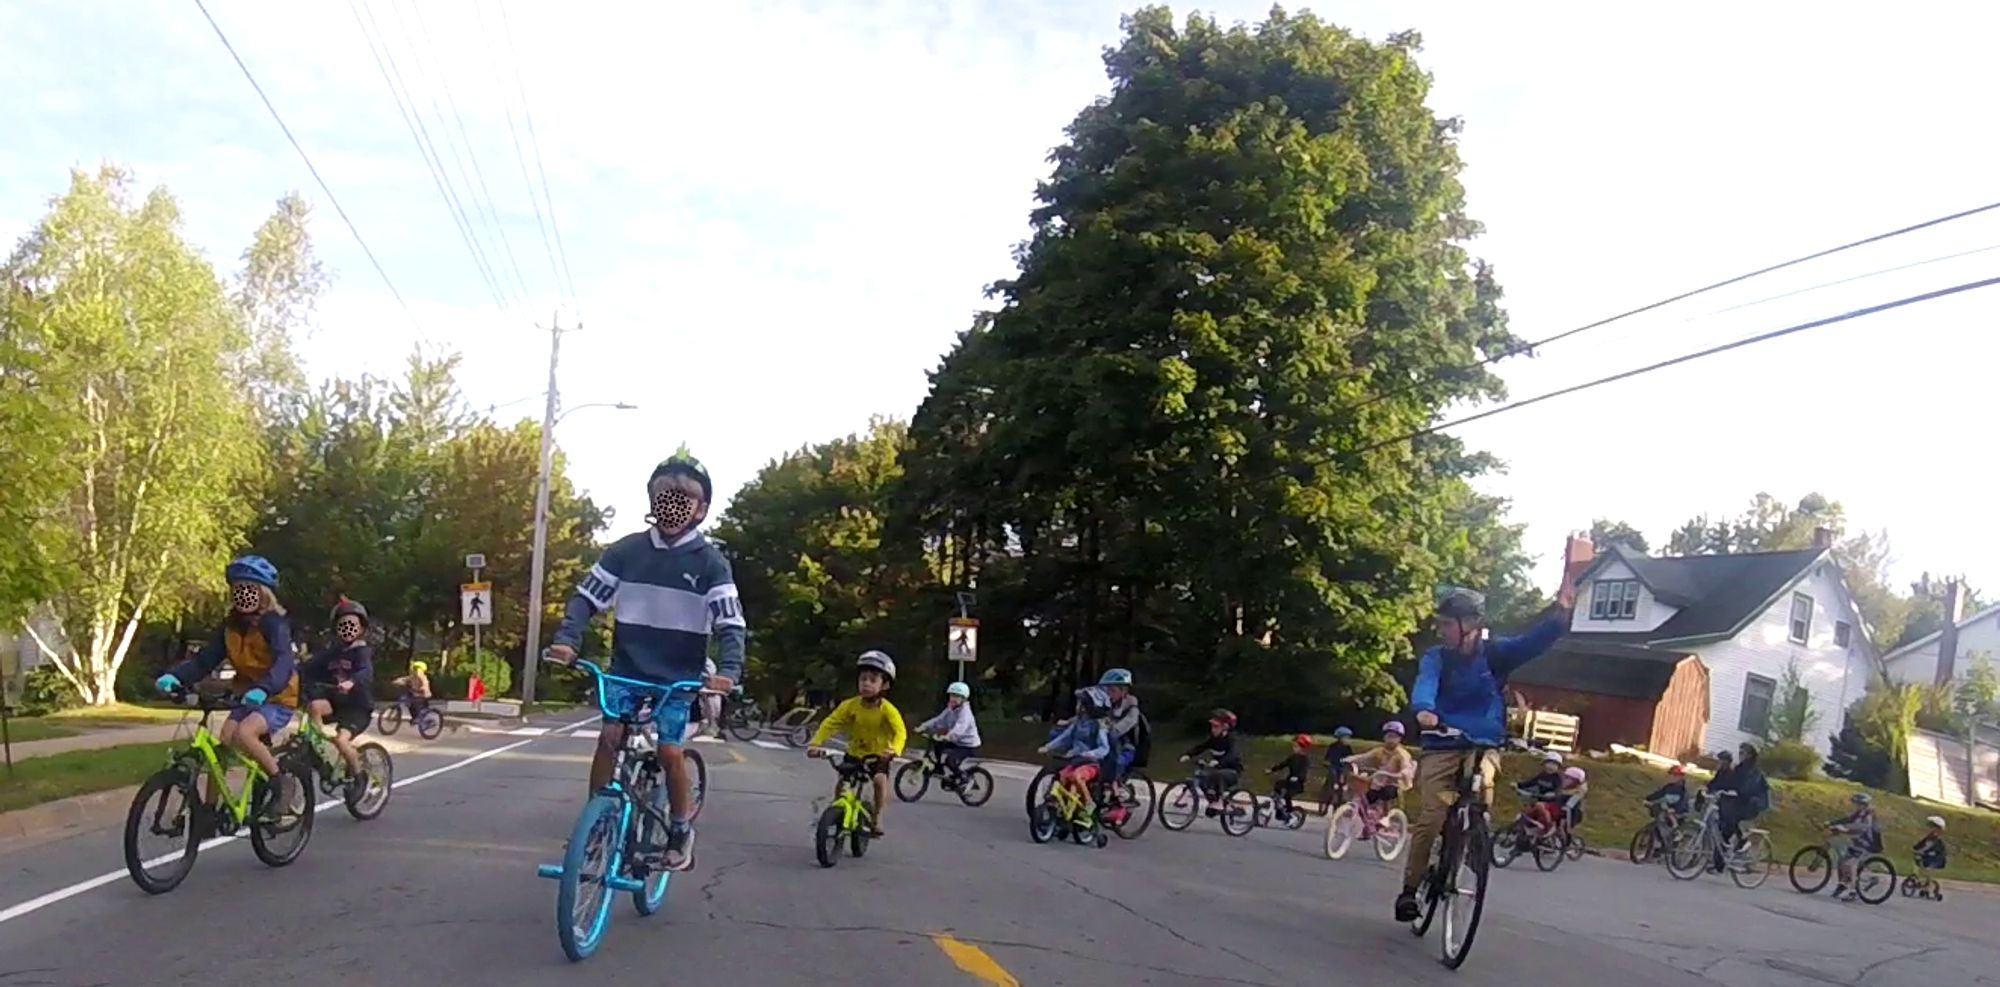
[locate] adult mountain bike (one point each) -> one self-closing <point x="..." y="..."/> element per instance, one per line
<point x="1813" y="866"/>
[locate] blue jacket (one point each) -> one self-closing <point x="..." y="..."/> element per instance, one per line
<point x="1467" y="693"/>
<point x="1084" y="739"/>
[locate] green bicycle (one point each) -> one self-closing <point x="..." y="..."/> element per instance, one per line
<point x="849" y="816"/>
<point x="169" y="805"/>
<point x="1065" y="814"/>
<point x="378" y="770"/>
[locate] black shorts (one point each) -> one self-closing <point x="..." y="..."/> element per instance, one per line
<point x="1377" y="796"/>
<point x="351" y="712"/>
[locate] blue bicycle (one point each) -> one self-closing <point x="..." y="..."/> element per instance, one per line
<point x="620" y="838"/>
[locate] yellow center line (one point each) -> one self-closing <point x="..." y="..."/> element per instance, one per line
<point x="974" y="960"/>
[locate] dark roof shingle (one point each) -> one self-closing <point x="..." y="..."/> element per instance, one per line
<point x="1716" y="594"/>
<point x="1591" y="664"/>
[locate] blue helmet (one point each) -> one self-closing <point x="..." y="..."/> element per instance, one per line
<point x="252" y="569"/>
<point x="1343" y="732"/>
<point x="1116" y="676"/>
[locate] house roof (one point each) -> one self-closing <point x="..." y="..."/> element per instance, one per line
<point x="1603" y="667"/>
<point x="1716" y="595"/>
<point x="1933" y="636"/>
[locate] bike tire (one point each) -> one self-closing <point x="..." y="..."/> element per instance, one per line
<point x="646" y="831"/>
<point x="1342" y="829"/>
<point x="1547" y="857"/>
<point x="1645" y="845"/>
<point x="1476" y="854"/>
<point x="580" y="935"/>
<point x="1239" y="807"/>
<point x="1042" y="824"/>
<point x="1386" y="849"/>
<point x="1910" y="886"/>
<point x="1573" y="847"/>
<point x="163" y="783"/>
<point x="912" y="781"/>
<point x="1757" y="858"/>
<point x="745" y="724"/>
<point x="382" y="781"/>
<point x="266" y="838"/>
<point x="697" y="781"/>
<point x="857" y="840"/>
<point x="826" y="836"/>
<point x="1038" y="790"/>
<point x="978" y="787"/>
<point x="1507" y="845"/>
<point x="1265" y="811"/>
<point x="1689" y="855"/>
<point x="1138" y="810"/>
<point x="1296" y="819"/>
<point x="1818" y="869"/>
<point x="390" y="719"/>
<point x="802" y="735"/>
<point x="1883" y="884"/>
<point x="430" y="723"/>
<point x="1179" y="794"/>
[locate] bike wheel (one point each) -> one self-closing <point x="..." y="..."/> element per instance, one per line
<point x="1910" y="886"/>
<point x="1548" y="853"/>
<point x="1179" y="806"/>
<point x="1038" y="790"/>
<point x="826" y="836"/>
<point x="1507" y="845"/>
<point x="1464" y="905"/>
<point x="1138" y="796"/>
<point x="1263" y="811"/>
<point x="697" y="781"/>
<point x="1751" y="866"/>
<point x="912" y="781"/>
<point x="1645" y="845"/>
<point x="1690" y="854"/>
<point x="1042" y="823"/>
<point x="1875" y="880"/>
<point x="280" y="842"/>
<point x="430" y="723"/>
<point x="649" y="832"/>
<point x="1573" y="847"/>
<point x="1295" y="819"/>
<point x="1342" y="829"/>
<point x="978" y="787"/>
<point x="583" y="895"/>
<point x="1239" y="812"/>
<point x="165" y="805"/>
<point x="390" y="719"/>
<point x="1392" y="834"/>
<point x="857" y="841"/>
<point x="746" y="724"/>
<point x="802" y="735"/>
<point x="1811" y="868"/>
<point x="379" y="770"/>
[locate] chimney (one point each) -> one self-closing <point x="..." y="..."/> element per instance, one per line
<point x="1954" y="611"/>
<point x="1822" y="538"/>
<point x="1578" y="554"/>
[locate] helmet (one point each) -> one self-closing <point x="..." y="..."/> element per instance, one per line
<point x="1092" y="700"/>
<point x="1724" y="757"/>
<point x="252" y="569"/>
<point x="1222" y="716"/>
<point x="1749" y="750"/>
<point x="1460" y="603"/>
<point x="1552" y="757"/>
<point x="1937" y="821"/>
<point x="1393" y="726"/>
<point x="349" y="608"/>
<point x="420" y="666"/>
<point x="1344" y="732"/>
<point x="1303" y="740"/>
<point x="878" y="661"/>
<point x="685" y="465"/>
<point x="1677" y="771"/>
<point x="1575" y="774"/>
<point x="959" y="689"/>
<point x="1116" y="676"/>
<point x="1861" y="798"/>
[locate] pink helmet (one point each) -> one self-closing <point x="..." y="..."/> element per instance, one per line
<point x="1575" y="774"/>
<point x="1393" y="726"/>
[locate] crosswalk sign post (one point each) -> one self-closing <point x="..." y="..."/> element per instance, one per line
<point x="962" y="642"/>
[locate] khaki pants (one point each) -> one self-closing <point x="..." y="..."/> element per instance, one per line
<point x="1437" y="784"/>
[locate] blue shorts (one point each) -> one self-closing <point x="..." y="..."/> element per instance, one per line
<point x="276" y="717"/>
<point x="670" y="711"/>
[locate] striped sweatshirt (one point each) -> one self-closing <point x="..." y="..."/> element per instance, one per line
<point x="666" y="599"/>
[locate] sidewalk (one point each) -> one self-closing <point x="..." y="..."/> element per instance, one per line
<point x="94" y="739"/>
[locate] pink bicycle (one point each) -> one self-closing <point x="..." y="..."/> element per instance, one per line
<point x="1359" y="819"/>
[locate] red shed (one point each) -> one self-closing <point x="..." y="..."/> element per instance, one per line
<point x="1622" y="694"/>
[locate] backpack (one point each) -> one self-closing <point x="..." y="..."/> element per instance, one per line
<point x="1142" y="741"/>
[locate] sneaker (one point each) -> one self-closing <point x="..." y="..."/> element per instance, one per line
<point x="1406" y="907"/>
<point x="680" y="846"/>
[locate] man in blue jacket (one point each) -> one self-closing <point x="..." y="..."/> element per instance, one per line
<point x="1462" y="684"/>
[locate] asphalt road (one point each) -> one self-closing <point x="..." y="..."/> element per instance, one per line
<point x="442" y="890"/>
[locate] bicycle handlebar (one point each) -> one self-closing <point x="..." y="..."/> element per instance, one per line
<point x="603" y="677"/>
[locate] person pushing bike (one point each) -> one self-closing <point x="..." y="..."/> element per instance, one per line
<point x="1461" y="684"/>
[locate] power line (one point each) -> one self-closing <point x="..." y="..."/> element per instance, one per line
<point x="520" y="156"/>
<point x="1684" y="358"/>
<point x="507" y="31"/>
<point x="1683" y="296"/>
<point x="1849" y="280"/>
<point x="310" y="167"/>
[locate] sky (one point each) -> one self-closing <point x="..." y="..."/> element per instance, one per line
<point x="776" y="217"/>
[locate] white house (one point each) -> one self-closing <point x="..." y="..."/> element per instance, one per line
<point x="1747" y="618"/>
<point x="1973" y="639"/>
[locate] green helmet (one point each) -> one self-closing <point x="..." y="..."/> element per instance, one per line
<point x="683" y="463"/>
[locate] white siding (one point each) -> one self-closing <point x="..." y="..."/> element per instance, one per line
<point x="1919" y="664"/>
<point x="1835" y="676"/>
<point x="1650" y="613"/>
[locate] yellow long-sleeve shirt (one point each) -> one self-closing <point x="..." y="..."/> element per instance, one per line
<point x="871" y="730"/>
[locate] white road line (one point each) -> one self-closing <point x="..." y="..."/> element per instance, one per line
<point x="772" y="745"/>
<point x="33" y="905"/>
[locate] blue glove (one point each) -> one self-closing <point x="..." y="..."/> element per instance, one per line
<point x="255" y="697"/>
<point x="167" y="683"/>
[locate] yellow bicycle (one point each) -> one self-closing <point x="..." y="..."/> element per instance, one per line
<point x="168" y="805"/>
<point x="1063" y="814"/>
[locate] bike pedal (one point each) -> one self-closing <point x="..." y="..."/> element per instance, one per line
<point x="549" y="870"/>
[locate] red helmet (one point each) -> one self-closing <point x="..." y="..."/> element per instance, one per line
<point x="1677" y="771"/>
<point x="1222" y="716"/>
<point x="1303" y="740"/>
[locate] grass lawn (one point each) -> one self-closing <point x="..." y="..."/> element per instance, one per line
<point x="44" y="779"/>
<point x="70" y="722"/>
<point x="1612" y="813"/>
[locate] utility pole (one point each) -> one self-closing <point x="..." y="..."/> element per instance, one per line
<point x="532" y="650"/>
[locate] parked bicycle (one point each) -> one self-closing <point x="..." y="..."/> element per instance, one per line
<point x="971" y="783"/>
<point x="850" y="817"/>
<point x="1696" y="845"/>
<point x="619" y="840"/>
<point x="1461" y="858"/>
<point x="279" y="814"/>
<point x="425" y="714"/>
<point x="1212" y="791"/>
<point x="1813" y="866"/>
<point x="1359" y="819"/>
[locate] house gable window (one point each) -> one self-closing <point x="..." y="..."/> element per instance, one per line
<point x="1758" y="694"/>
<point x="1843" y="634"/>
<point x="1614" y="599"/>
<point x="1802" y="614"/>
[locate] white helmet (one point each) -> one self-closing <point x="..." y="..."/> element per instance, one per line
<point x="1937" y="821"/>
<point x="959" y="689"/>
<point x="878" y="661"/>
<point x="1552" y="757"/>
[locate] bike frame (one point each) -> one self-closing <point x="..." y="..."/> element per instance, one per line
<point x="210" y="762"/>
<point x="853" y="811"/>
<point x="1068" y="802"/>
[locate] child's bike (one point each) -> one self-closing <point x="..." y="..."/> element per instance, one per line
<point x="1359" y="819"/>
<point x="1279" y="810"/>
<point x="973" y="785"/>
<point x="1213" y="792"/>
<point x="620" y="837"/>
<point x="850" y="817"/>
<point x="429" y="721"/>
<point x="1063" y="814"/>
<point x="1650" y="843"/>
<point x="1920" y="883"/>
<point x="378" y="770"/>
<point x="1549" y="843"/>
<point x="1813" y="866"/>
<point x="280" y="818"/>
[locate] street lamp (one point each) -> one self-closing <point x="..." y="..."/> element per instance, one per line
<point x="540" y="560"/>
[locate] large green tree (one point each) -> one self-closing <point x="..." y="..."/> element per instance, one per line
<point x="1174" y="443"/>
<point x="131" y="344"/>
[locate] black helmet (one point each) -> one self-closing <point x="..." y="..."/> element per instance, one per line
<point x="683" y="463"/>
<point x="1459" y="603"/>
<point x="347" y="607"/>
<point x="1092" y="700"/>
